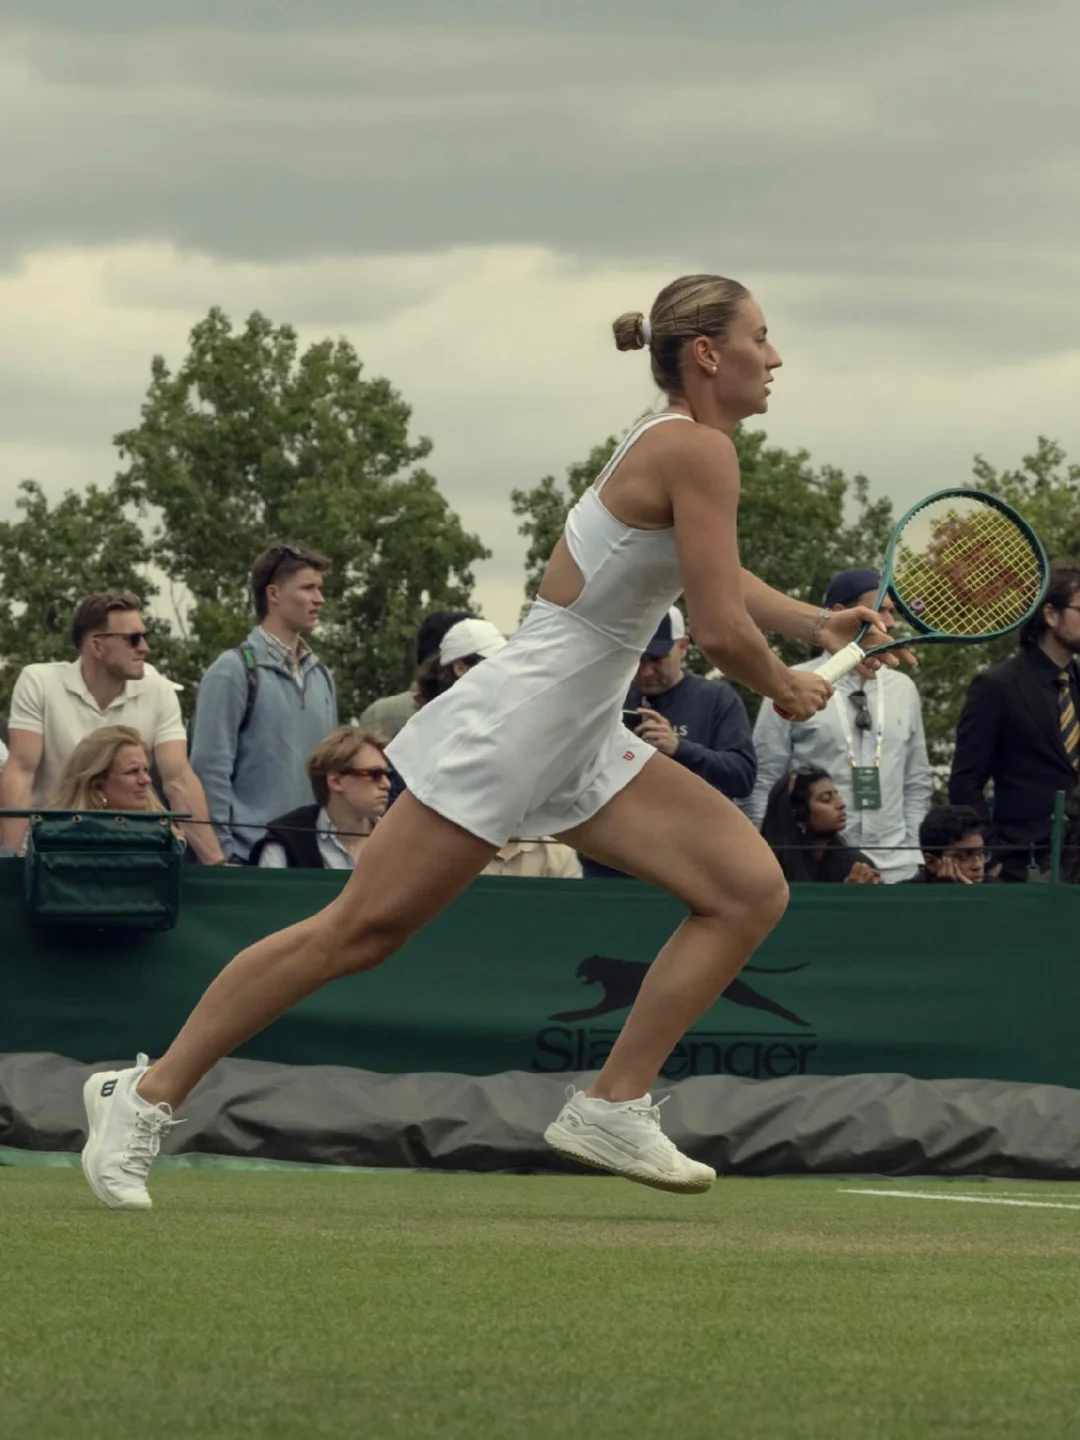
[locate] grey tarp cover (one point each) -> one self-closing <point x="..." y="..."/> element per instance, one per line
<point x="878" y="1124"/>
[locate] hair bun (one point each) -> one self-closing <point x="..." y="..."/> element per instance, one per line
<point x="629" y="331"/>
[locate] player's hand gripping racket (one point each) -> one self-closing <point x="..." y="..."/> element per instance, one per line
<point x="962" y="566"/>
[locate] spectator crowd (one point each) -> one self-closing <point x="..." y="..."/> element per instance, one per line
<point x="269" y="776"/>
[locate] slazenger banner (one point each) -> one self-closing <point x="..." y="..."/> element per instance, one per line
<point x="539" y="976"/>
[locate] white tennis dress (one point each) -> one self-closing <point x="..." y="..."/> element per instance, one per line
<point x="531" y="741"/>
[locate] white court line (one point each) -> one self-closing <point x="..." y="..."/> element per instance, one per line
<point x="965" y="1199"/>
<point x="1034" y="1194"/>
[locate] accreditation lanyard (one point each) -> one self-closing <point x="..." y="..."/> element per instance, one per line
<point x="865" y="779"/>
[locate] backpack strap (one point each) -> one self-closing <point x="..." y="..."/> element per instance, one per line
<point x="251" y="674"/>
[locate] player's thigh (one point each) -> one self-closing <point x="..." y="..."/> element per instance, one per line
<point x="414" y="864"/>
<point x="671" y="828"/>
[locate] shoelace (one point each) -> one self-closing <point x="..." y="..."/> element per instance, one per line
<point x="145" y="1141"/>
<point x="652" y="1112"/>
<point x="662" y="1146"/>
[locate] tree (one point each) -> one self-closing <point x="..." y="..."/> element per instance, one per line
<point x="1046" y="492"/>
<point x="50" y="558"/>
<point x="797" y="526"/>
<point x="252" y="441"/>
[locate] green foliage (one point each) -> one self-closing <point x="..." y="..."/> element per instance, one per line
<point x="798" y="526"/>
<point x="543" y="509"/>
<point x="253" y="441"/>
<point x="50" y="558"/>
<point x="1046" y="492"/>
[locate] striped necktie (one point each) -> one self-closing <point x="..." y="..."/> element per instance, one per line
<point x="1070" y="726"/>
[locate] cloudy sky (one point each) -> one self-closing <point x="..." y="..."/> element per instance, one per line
<point x="472" y="192"/>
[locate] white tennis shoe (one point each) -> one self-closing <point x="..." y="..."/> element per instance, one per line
<point x="125" y="1136"/>
<point x="625" y="1139"/>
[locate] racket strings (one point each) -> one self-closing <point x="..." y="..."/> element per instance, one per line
<point x="967" y="570"/>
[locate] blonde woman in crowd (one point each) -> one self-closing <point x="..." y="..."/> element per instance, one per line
<point x="109" y="769"/>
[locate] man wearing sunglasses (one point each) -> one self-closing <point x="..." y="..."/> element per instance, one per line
<point x="56" y="703"/>
<point x="350" y="780"/>
<point x="869" y="738"/>
<point x="263" y="706"/>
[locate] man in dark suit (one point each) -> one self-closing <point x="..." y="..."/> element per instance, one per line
<point x="1020" y="728"/>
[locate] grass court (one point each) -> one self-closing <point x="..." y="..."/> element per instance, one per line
<point x="384" y="1304"/>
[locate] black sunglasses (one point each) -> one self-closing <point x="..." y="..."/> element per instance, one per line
<point x="862" y="710"/>
<point x="133" y="637"/>
<point x="281" y="553"/>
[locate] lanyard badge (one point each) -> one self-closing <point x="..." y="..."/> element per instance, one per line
<point x="865" y="779"/>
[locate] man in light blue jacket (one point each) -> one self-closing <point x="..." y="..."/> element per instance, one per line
<point x="263" y="706"/>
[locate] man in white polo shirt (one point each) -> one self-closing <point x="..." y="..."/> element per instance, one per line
<point x="58" y="702"/>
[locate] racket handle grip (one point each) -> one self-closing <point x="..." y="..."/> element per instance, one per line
<point x="835" y="668"/>
<point x="840" y="664"/>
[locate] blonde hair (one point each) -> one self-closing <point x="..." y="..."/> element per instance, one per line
<point x="89" y="764"/>
<point x="335" y="755"/>
<point x="692" y="305"/>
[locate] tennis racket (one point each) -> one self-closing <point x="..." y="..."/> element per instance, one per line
<point x="962" y="566"/>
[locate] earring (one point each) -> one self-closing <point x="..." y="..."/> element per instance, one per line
<point x="712" y="369"/>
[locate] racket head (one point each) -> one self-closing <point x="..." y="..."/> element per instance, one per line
<point x="964" y="566"/>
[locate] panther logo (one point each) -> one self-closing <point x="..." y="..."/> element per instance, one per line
<point x="622" y="979"/>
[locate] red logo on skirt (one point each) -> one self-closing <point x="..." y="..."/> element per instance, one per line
<point x="628" y="755"/>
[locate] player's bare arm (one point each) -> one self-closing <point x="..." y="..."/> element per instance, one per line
<point x="701" y="473"/>
<point x="779" y="614"/>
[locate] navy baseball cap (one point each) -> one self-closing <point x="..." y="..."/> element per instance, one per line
<point x="671" y="628"/>
<point x="845" y="588"/>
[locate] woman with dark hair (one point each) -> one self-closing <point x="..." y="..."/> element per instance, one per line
<point x="803" y="826"/>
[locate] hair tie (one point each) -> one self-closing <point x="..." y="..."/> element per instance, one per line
<point x="646" y="330"/>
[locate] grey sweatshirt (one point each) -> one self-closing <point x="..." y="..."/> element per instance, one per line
<point x="250" y="777"/>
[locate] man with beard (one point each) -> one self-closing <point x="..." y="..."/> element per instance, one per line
<point x="57" y="703"/>
<point x="1020" y="729"/>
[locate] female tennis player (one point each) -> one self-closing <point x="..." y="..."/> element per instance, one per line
<point x="531" y="743"/>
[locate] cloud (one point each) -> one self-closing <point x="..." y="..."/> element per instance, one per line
<point x="848" y="134"/>
<point x="472" y="195"/>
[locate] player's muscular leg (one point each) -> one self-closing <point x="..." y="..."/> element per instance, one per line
<point x="412" y="867"/>
<point x="672" y="829"/>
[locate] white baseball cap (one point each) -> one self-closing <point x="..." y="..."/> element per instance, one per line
<point x="470" y="637"/>
<point x="671" y="628"/>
